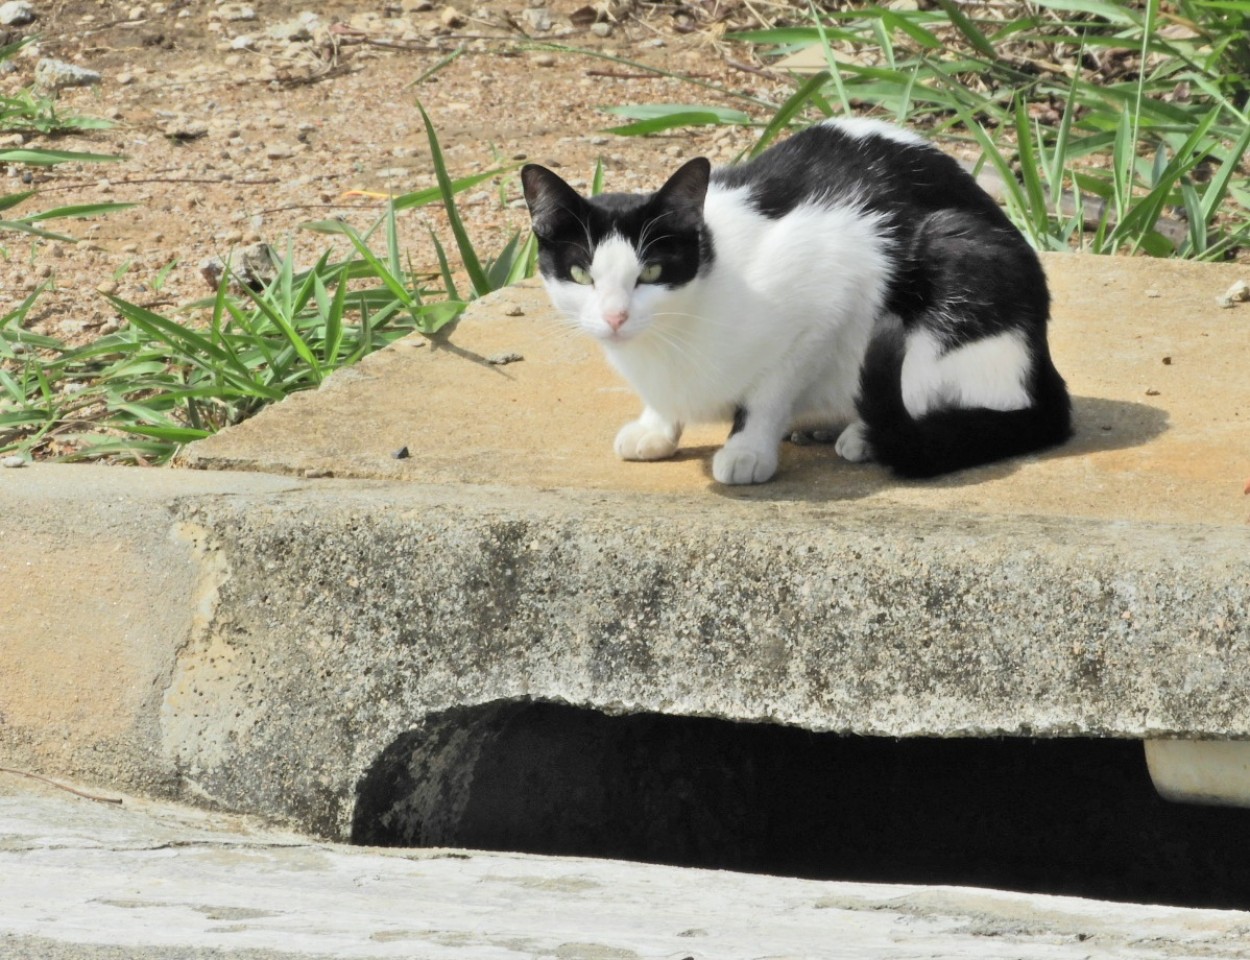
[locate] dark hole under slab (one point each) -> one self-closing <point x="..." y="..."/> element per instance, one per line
<point x="1073" y="816"/>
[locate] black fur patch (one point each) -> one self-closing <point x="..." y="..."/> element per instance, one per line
<point x="665" y="227"/>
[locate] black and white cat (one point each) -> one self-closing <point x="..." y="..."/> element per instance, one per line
<point x="853" y="275"/>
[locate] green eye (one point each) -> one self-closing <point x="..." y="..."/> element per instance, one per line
<point x="650" y="273"/>
<point x="580" y="275"/>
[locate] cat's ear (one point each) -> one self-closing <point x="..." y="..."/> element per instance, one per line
<point x="685" y="191"/>
<point x="554" y="205"/>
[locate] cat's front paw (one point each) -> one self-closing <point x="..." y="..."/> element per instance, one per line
<point x="853" y="444"/>
<point x="643" y="441"/>
<point x="735" y="465"/>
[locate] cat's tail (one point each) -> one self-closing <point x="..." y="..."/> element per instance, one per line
<point x="942" y="441"/>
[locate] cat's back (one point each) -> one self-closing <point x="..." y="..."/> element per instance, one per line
<point x="865" y="164"/>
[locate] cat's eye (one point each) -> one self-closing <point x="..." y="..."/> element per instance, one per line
<point x="650" y="273"/>
<point x="580" y="275"/>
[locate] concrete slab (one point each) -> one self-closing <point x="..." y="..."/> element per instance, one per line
<point x="1157" y="368"/>
<point x="260" y="642"/>
<point x="82" y="880"/>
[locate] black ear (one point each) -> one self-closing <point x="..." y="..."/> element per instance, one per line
<point x="554" y="205"/>
<point x="686" y="190"/>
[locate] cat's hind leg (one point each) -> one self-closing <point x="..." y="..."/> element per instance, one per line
<point x="849" y="442"/>
<point x="650" y="437"/>
<point x="853" y="445"/>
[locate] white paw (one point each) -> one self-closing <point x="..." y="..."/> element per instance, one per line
<point x="743" y="465"/>
<point x="853" y="445"/>
<point x="640" y="441"/>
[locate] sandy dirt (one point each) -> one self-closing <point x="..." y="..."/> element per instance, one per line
<point x="234" y="131"/>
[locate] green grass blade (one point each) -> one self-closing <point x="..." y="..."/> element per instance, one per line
<point x="468" y="256"/>
<point x="77" y="210"/>
<point x="442" y="64"/>
<point x="334" y="320"/>
<point x="47" y="158"/>
<point x="501" y="267"/>
<point x="1121" y="13"/>
<point x="831" y="62"/>
<point x="971" y="33"/>
<point x="13" y="199"/>
<point x="789" y="110"/>
<point x="285" y="325"/>
<point x="449" y="282"/>
<point x="22" y="226"/>
<point x="1217" y="189"/>
<point x="421" y="198"/>
<point x="1029" y="169"/>
<point x="656" y="118"/>
<point x="596" y="179"/>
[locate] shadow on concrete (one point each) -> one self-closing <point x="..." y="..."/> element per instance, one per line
<point x="1077" y="817"/>
<point x="816" y="473"/>
<point x="1101" y="424"/>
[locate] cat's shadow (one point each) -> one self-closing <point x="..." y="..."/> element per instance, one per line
<point x="815" y="473"/>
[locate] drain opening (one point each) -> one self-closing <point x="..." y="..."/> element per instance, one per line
<point x="1076" y="817"/>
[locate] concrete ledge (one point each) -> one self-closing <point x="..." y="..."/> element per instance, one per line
<point x="259" y="641"/>
<point x="285" y="632"/>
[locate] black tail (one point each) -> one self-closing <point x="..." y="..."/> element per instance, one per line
<point x="943" y="441"/>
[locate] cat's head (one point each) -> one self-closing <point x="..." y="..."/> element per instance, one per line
<point x="611" y="262"/>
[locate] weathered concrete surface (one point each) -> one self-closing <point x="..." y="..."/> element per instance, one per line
<point x="88" y="881"/>
<point x="258" y="641"/>
<point x="333" y="616"/>
<point x="102" y="586"/>
<point x="1157" y="369"/>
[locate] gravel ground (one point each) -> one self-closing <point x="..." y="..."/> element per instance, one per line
<point x="238" y="122"/>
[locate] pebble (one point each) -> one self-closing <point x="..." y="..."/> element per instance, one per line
<point x="1239" y="292"/>
<point x="279" y="151"/>
<point x="108" y="287"/>
<point x="185" y="128"/>
<point x="16" y="13"/>
<point x="601" y="29"/>
<point x="14" y="462"/>
<point x="451" y="17"/>
<point x="293" y="31"/>
<point x="503" y="359"/>
<point x="58" y="75"/>
<point x="234" y="12"/>
<point x="539" y="19"/>
<point x="544" y="60"/>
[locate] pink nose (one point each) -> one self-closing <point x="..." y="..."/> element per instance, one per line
<point x="616" y="319"/>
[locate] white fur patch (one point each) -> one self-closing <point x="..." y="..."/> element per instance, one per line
<point x="868" y="127"/>
<point x="650" y="437"/>
<point x="778" y="323"/>
<point x="738" y="463"/>
<point x="987" y="373"/>
<point x="614" y="270"/>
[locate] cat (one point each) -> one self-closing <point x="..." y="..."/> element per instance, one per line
<point x="851" y="275"/>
